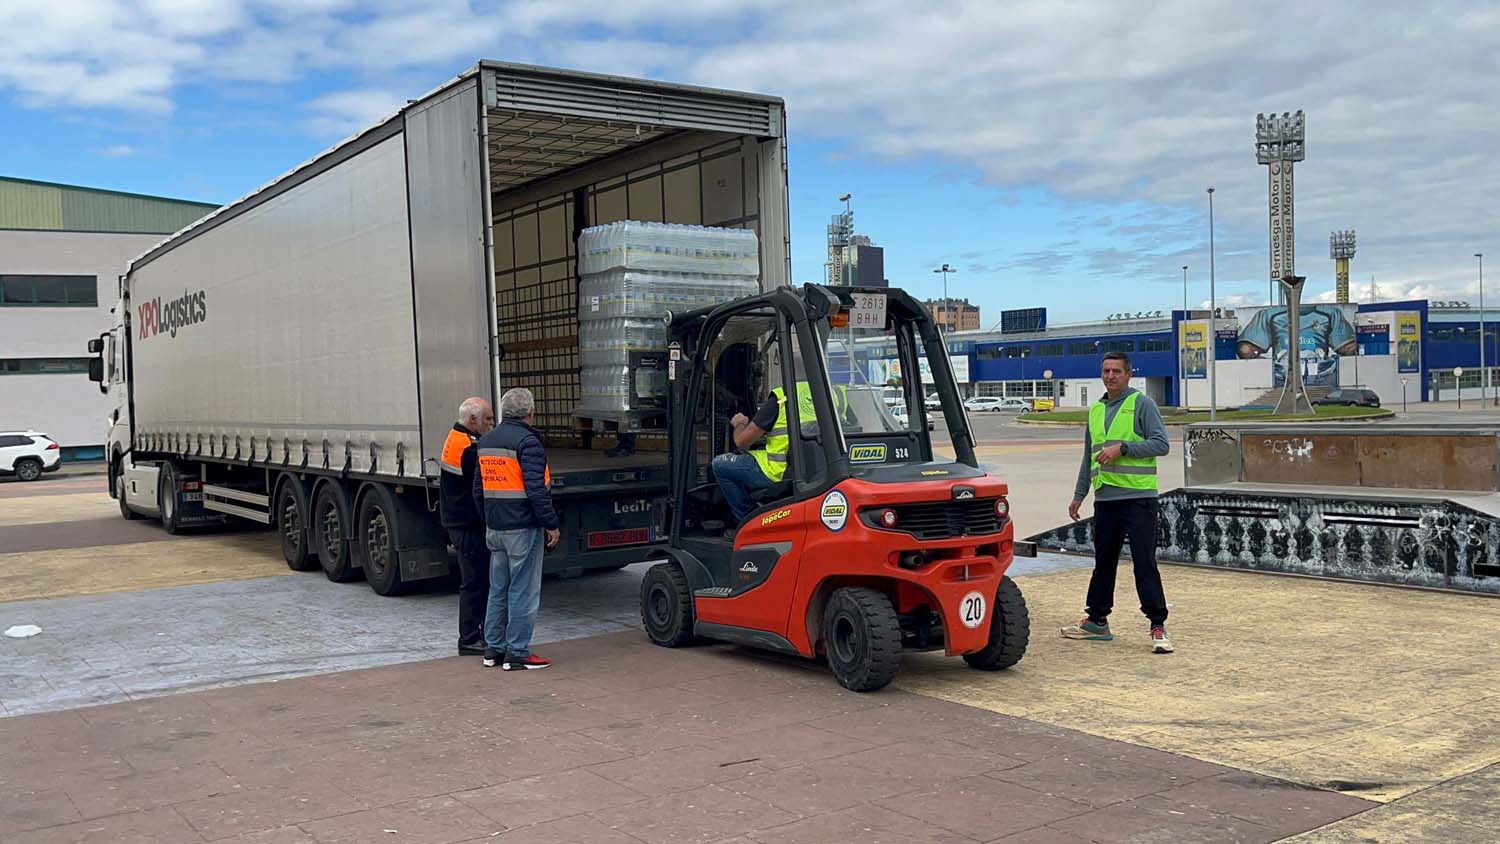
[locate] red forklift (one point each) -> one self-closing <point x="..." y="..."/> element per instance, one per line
<point x="870" y="544"/>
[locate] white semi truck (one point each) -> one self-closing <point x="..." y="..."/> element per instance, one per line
<point x="297" y="357"/>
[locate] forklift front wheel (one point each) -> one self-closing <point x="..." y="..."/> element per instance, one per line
<point x="667" y="606"/>
<point x="1010" y="631"/>
<point x="862" y="636"/>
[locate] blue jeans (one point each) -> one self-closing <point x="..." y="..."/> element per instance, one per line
<point x="515" y="589"/>
<point x="738" y="475"/>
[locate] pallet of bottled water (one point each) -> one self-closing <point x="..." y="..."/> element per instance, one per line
<point x="668" y="247"/>
<point x="650" y="294"/>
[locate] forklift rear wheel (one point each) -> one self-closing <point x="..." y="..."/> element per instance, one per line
<point x="1010" y="630"/>
<point x="667" y="605"/>
<point x="863" y="638"/>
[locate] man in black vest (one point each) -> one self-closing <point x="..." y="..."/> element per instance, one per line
<point x="464" y="521"/>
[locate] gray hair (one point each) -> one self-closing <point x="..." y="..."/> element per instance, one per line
<point x="472" y="410"/>
<point x="517" y="403"/>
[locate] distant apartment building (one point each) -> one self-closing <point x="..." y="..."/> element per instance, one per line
<point x="954" y="314"/>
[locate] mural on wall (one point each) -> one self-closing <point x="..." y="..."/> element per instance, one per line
<point x="1327" y="333"/>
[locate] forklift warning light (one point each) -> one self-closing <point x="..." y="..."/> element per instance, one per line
<point x="840" y="319"/>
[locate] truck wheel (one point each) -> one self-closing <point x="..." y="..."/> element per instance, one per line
<point x="667" y="606"/>
<point x="128" y="514"/>
<point x="862" y="637"/>
<point x="28" y="469"/>
<point x="376" y="541"/>
<point x="167" y="489"/>
<point x="1010" y="630"/>
<point x="331" y="533"/>
<point x="291" y="524"/>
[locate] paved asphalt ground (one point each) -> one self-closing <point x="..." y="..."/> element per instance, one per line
<point x="193" y="689"/>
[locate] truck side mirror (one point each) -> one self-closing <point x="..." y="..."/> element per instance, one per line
<point x="96" y="367"/>
<point x="96" y="346"/>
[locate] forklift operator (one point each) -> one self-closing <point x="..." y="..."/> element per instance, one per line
<point x="741" y="474"/>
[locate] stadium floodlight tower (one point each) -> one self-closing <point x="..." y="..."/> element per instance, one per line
<point x="1341" y="250"/>
<point x="1281" y="141"/>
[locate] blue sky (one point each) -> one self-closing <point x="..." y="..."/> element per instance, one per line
<point x="1055" y="153"/>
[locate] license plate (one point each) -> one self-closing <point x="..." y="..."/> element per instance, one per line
<point x="192" y="496"/>
<point x="612" y="538"/>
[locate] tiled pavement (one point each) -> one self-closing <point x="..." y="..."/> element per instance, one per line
<point x="619" y="743"/>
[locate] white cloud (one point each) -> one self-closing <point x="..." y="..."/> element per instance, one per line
<point x="346" y="112"/>
<point x="118" y="151"/>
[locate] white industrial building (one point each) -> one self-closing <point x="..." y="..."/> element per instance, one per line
<point x="62" y="250"/>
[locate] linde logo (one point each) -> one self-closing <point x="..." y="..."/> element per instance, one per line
<point x="158" y="317"/>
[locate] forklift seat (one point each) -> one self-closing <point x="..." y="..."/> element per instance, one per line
<point x="775" y="492"/>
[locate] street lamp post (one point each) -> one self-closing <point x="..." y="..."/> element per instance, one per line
<point x="1213" y="323"/>
<point x="1181" y="353"/>
<point x="947" y="306"/>
<point x="1484" y="377"/>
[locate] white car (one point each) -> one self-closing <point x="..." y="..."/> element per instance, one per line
<point x="934" y="403"/>
<point x="996" y="404"/>
<point x="899" y="412"/>
<point x="27" y="454"/>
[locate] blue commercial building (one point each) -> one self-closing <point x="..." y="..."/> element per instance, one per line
<point x="1408" y="347"/>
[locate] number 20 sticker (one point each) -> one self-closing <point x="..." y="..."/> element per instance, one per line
<point x="971" y="610"/>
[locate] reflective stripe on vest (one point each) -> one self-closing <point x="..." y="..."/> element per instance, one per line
<point x="453" y="451"/>
<point x="1125" y="472"/>
<point x="501" y="476"/>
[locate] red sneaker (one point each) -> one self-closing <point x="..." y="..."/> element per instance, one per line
<point x="524" y="663"/>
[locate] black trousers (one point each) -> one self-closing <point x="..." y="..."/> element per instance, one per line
<point x="473" y="584"/>
<point x="1114" y="521"/>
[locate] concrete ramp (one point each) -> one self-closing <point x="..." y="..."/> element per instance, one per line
<point x="1386" y="503"/>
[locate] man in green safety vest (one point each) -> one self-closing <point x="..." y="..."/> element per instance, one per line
<point x="1125" y="437"/>
<point x="741" y="474"/>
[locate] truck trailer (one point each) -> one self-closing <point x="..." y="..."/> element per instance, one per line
<point x="297" y="357"/>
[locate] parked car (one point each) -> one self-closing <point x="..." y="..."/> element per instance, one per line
<point x="1015" y="405"/>
<point x="1352" y="398"/>
<point x="899" y="411"/>
<point x="933" y="403"/>
<point x="28" y="454"/>
<point x="985" y="404"/>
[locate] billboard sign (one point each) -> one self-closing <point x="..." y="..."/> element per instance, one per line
<point x="1192" y="344"/>
<point x="1408" y="341"/>
<point x="886" y="371"/>
<point x="1023" y="321"/>
<point x="1327" y="334"/>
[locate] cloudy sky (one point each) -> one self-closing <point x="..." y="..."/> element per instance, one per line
<point x="1056" y="152"/>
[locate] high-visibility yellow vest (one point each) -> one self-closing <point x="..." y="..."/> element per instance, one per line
<point x="772" y="459"/>
<point x="1126" y="472"/>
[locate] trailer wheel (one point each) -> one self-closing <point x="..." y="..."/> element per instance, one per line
<point x="376" y="541"/>
<point x="125" y="512"/>
<point x="862" y="636"/>
<point x="1010" y="630"/>
<point x="667" y="606"/>
<point x="331" y="520"/>
<point x="167" y="490"/>
<point x="292" y="525"/>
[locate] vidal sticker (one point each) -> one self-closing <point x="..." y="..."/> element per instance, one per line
<point x="873" y="453"/>
<point x="835" y="510"/>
